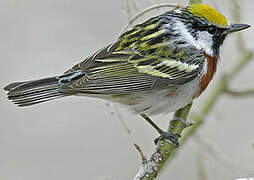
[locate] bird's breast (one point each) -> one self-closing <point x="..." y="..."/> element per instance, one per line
<point x="208" y="74"/>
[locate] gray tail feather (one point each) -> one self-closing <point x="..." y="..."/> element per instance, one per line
<point x="34" y="92"/>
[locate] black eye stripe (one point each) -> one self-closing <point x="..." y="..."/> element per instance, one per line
<point x="199" y="25"/>
<point x="211" y="29"/>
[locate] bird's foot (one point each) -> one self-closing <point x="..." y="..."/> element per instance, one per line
<point x="171" y="137"/>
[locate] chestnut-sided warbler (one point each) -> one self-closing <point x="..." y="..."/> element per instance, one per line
<point x="157" y="66"/>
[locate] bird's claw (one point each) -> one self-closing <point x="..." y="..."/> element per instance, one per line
<point x="171" y="137"/>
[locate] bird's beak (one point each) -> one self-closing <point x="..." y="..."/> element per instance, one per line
<point x="237" y="27"/>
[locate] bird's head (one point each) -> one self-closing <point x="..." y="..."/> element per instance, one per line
<point x="204" y="27"/>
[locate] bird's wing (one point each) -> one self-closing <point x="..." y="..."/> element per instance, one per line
<point x="142" y="59"/>
<point x="121" y="72"/>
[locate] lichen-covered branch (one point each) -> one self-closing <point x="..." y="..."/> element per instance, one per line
<point x="150" y="168"/>
<point x="165" y="151"/>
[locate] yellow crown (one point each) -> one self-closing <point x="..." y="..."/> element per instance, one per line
<point x="209" y="13"/>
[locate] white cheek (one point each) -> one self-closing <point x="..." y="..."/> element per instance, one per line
<point x="205" y="40"/>
<point x="185" y="35"/>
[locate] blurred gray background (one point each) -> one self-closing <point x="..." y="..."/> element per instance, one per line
<point x="82" y="138"/>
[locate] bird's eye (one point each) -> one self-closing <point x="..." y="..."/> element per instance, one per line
<point x="211" y="29"/>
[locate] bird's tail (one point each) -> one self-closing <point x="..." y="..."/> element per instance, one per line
<point x="37" y="91"/>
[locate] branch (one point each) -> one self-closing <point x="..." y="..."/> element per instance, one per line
<point x="202" y="172"/>
<point x="239" y="93"/>
<point x="143" y="157"/>
<point x="220" y="157"/>
<point x="150" y="168"/>
<point x="127" y="9"/>
<point x="195" y="1"/>
<point x="136" y="5"/>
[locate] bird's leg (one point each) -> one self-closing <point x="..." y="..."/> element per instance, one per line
<point x="172" y="137"/>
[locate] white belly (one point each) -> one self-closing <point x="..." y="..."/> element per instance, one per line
<point x="156" y="102"/>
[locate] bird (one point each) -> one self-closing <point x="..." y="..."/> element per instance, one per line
<point x="155" y="67"/>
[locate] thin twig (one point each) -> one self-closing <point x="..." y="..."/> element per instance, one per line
<point x="239" y="93"/>
<point x="152" y="1"/>
<point x="221" y="158"/>
<point x="127" y="9"/>
<point x="136" y="5"/>
<point x="143" y="157"/>
<point x="195" y="1"/>
<point x="121" y="119"/>
<point x="201" y="167"/>
<point x="142" y="13"/>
